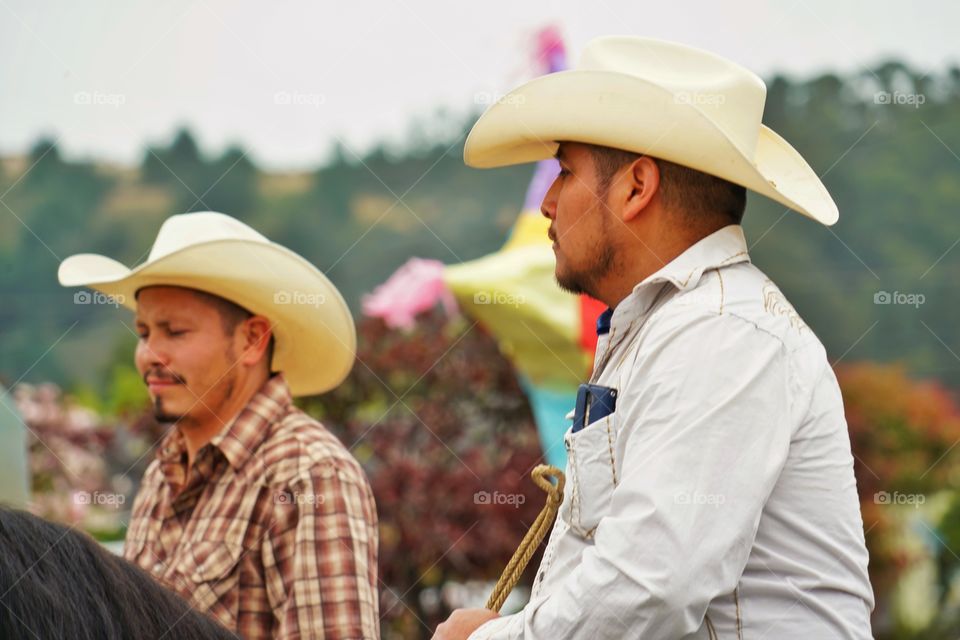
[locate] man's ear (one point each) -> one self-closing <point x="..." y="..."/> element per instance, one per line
<point x="643" y="183"/>
<point x="255" y="333"/>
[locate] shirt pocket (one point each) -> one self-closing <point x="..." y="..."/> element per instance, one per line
<point x="210" y="572"/>
<point x="591" y="475"/>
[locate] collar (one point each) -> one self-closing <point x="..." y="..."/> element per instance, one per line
<point x="242" y="435"/>
<point x="722" y="248"/>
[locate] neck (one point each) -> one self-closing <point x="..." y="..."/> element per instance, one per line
<point x="198" y="432"/>
<point x="642" y="254"/>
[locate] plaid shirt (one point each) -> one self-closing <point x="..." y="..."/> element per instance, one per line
<point x="273" y="531"/>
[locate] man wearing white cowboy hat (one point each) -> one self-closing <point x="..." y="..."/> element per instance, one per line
<point x="251" y="509"/>
<point x="710" y="489"/>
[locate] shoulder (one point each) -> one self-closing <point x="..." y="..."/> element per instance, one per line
<point x="742" y="302"/>
<point x="735" y="323"/>
<point x="299" y="449"/>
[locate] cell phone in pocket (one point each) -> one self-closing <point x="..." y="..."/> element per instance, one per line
<point x="593" y="403"/>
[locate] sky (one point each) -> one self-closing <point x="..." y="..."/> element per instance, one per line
<point x="287" y="79"/>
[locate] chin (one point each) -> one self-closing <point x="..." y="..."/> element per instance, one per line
<point x="571" y="283"/>
<point x="166" y="411"/>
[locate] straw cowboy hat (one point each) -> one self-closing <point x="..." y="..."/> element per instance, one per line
<point x="659" y="98"/>
<point x="314" y="335"/>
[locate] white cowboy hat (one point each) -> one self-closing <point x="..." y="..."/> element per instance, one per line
<point x="314" y="335"/>
<point x="663" y="99"/>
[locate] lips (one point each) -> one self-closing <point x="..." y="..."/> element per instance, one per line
<point x="159" y="384"/>
<point x="156" y="383"/>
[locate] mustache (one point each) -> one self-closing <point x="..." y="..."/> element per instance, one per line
<point x="163" y="375"/>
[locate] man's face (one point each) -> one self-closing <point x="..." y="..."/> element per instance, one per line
<point x="184" y="355"/>
<point x="582" y="222"/>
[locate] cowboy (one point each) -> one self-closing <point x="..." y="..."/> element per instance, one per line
<point x="251" y="509"/>
<point x="710" y="489"/>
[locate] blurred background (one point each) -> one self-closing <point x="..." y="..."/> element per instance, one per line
<point x="337" y="130"/>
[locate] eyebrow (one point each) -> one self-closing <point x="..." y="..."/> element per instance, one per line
<point x="163" y="323"/>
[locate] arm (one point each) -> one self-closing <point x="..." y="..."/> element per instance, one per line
<point x="320" y="557"/>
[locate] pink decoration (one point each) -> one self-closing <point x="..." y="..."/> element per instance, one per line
<point x="414" y="288"/>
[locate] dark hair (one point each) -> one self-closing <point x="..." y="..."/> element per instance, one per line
<point x="699" y="196"/>
<point x="231" y="314"/>
<point x="56" y="582"/>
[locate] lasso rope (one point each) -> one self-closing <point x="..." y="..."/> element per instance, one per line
<point x="521" y="557"/>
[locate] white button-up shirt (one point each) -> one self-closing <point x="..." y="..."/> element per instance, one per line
<point x="718" y="500"/>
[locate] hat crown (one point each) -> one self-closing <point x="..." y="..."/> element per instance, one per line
<point x="187" y="229"/>
<point x="730" y="95"/>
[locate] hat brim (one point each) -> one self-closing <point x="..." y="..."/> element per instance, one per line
<point x="625" y="112"/>
<point x="315" y="337"/>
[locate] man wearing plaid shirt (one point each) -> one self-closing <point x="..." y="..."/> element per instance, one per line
<point x="251" y="509"/>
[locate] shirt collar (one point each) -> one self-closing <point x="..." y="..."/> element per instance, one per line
<point x="722" y="248"/>
<point x="241" y="436"/>
<point x="244" y="434"/>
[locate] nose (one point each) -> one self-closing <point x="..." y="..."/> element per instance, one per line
<point x="548" y="207"/>
<point x="150" y="354"/>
